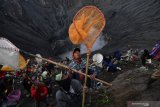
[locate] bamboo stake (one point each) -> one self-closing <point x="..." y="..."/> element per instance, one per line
<point x="85" y="82"/>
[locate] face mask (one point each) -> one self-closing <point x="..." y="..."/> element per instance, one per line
<point x="65" y="84"/>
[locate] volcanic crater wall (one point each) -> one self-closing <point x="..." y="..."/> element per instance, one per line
<point x="41" y="26"/>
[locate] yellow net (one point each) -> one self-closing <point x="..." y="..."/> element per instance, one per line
<point x="22" y="64"/>
<point x="87" y="25"/>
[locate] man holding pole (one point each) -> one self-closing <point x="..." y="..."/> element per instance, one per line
<point x="79" y="64"/>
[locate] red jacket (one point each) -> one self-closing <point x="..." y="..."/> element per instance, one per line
<point x="36" y="94"/>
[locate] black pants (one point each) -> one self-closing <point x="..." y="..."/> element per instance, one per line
<point x="143" y="61"/>
<point x="41" y="103"/>
<point x="2" y="98"/>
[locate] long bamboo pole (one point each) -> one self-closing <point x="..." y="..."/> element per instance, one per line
<point x="66" y="67"/>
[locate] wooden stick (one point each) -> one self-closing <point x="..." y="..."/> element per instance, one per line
<point x="66" y="67"/>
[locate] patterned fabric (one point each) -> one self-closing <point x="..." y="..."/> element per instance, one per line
<point x="75" y="65"/>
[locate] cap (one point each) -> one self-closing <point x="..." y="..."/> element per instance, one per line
<point x="76" y="49"/>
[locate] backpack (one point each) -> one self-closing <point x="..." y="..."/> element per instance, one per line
<point x="155" y="53"/>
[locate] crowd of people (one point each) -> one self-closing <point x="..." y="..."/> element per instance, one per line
<point x="38" y="79"/>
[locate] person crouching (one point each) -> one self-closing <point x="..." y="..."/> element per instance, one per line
<point x="69" y="93"/>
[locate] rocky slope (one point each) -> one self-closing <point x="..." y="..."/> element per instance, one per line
<point x="41" y="26"/>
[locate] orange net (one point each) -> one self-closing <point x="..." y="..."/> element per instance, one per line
<point x="87" y="25"/>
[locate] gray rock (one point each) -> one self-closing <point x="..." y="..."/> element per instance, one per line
<point x="132" y="86"/>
